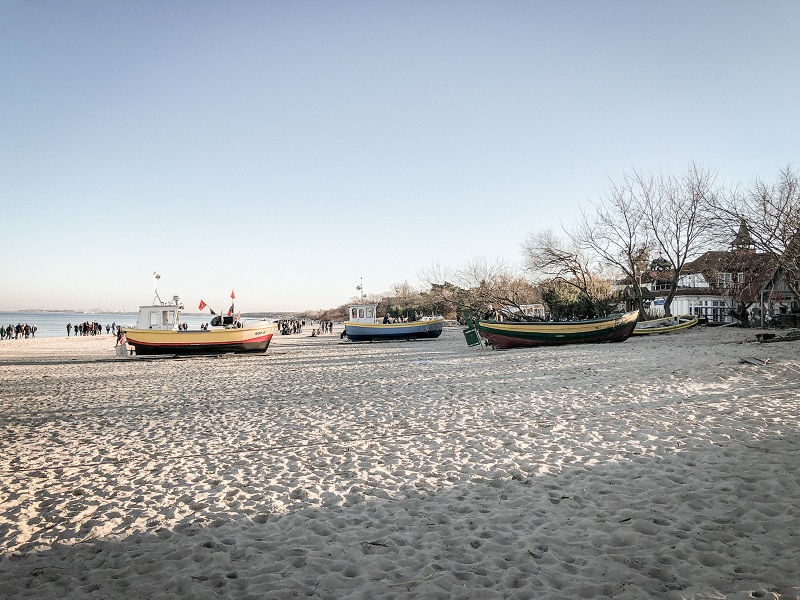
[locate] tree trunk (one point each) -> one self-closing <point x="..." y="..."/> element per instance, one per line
<point x="673" y="287"/>
<point x="638" y="300"/>
<point x="740" y="314"/>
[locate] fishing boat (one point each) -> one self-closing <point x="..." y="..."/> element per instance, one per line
<point x="159" y="330"/>
<point x="665" y="325"/>
<point x="524" y="334"/>
<point x="363" y="326"/>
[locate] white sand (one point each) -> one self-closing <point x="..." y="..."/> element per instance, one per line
<point x="660" y="467"/>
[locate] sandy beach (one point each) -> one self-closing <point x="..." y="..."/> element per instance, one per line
<point x="661" y="467"/>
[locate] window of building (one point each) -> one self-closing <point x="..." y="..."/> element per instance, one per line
<point x="725" y="279"/>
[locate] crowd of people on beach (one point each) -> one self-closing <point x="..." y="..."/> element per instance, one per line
<point x="93" y="328"/>
<point x="290" y="326"/>
<point x="324" y="327"/>
<point x="14" y="332"/>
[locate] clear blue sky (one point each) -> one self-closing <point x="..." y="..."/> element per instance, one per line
<point x="287" y="149"/>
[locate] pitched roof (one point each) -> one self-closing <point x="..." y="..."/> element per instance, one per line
<point x="758" y="269"/>
<point x="738" y="261"/>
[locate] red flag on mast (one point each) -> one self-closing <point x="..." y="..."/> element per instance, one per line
<point x="232" y="295"/>
<point x="202" y="305"/>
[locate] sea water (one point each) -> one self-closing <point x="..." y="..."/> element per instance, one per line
<point x="54" y="324"/>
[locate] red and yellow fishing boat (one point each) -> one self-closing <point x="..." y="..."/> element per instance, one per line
<point x="159" y="330"/>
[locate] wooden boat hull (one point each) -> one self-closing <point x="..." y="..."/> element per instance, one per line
<point x="212" y="341"/>
<point x="369" y="332"/>
<point x="665" y="325"/>
<point x="504" y="335"/>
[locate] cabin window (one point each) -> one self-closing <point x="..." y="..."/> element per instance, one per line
<point x="355" y="313"/>
<point x="370" y="313"/>
<point x="153" y="319"/>
<point x="360" y="313"/>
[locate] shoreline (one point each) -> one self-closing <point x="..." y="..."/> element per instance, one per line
<point x="658" y="467"/>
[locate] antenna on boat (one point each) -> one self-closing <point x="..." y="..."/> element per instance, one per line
<point x="360" y="288"/>
<point x="156" y="277"/>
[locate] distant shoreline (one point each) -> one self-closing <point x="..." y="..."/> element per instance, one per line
<point x="71" y="311"/>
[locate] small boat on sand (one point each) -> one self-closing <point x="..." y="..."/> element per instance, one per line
<point x="665" y="325"/>
<point x="525" y="334"/>
<point x="363" y="326"/>
<point x="159" y="330"/>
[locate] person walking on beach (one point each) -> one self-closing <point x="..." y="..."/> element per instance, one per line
<point x="69" y="329"/>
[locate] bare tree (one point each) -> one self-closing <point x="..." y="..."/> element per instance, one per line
<point x="771" y="214"/>
<point x="675" y="209"/>
<point x="404" y="298"/>
<point x="550" y="259"/>
<point x="478" y="284"/>
<point x="443" y="289"/>
<point x="616" y="230"/>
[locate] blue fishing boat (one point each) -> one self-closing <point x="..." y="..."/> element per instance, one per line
<point x="364" y="326"/>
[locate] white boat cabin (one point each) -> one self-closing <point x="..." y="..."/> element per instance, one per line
<point x="164" y="317"/>
<point x="363" y="313"/>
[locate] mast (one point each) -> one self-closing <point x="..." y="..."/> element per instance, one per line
<point x="360" y="288"/>
<point x="156" y="277"/>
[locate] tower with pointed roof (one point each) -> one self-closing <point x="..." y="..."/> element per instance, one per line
<point x="743" y="241"/>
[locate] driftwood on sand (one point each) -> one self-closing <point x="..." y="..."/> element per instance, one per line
<point x="752" y="360"/>
<point x="767" y="338"/>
